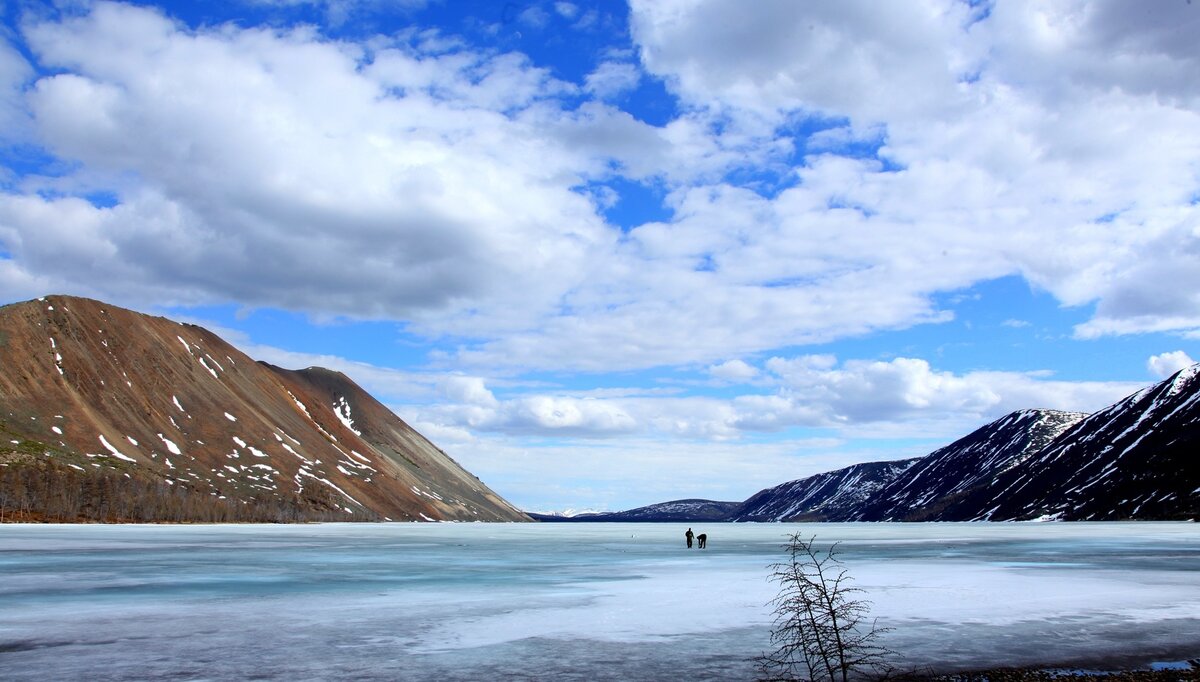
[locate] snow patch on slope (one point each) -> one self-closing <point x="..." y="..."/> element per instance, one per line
<point x="115" y="452"/>
<point x="342" y="409"/>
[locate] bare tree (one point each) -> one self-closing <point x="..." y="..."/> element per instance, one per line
<point x="819" y="630"/>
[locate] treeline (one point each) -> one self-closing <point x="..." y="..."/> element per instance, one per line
<point x="49" y="492"/>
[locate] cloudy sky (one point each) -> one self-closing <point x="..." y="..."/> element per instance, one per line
<point x="612" y="254"/>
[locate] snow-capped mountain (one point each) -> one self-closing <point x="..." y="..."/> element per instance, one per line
<point x="831" y="496"/>
<point x="1138" y="459"/>
<point x="922" y="492"/>
<point x="154" y="420"/>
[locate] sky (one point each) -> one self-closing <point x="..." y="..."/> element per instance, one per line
<point x="609" y="254"/>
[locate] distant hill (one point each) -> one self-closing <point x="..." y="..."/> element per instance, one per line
<point x="677" y="511"/>
<point x="1134" y="460"/>
<point x="109" y="414"/>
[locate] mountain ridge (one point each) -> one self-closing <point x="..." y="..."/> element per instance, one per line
<point x="964" y="464"/>
<point x="1155" y="474"/>
<point x="110" y="389"/>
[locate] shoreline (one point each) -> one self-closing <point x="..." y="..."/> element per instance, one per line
<point x="1172" y="671"/>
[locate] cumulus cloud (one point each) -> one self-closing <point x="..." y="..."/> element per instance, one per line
<point x="413" y="178"/>
<point x="903" y="397"/>
<point x="538" y="415"/>
<point x="864" y="60"/>
<point x="1057" y="143"/>
<point x="1164" y="365"/>
<point x="861" y="391"/>
<point x="612" y="78"/>
<point x="296" y="172"/>
<point x="469" y="390"/>
<point x="737" y="371"/>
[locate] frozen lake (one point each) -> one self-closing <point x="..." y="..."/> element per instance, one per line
<point x="569" y="601"/>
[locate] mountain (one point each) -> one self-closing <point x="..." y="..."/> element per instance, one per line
<point x="674" y="511"/>
<point x="831" y="496"/>
<point x="924" y="490"/>
<point x="117" y="405"/>
<point x="1134" y="460"/>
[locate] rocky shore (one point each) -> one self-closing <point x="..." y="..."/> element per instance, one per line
<point x="1176" y="674"/>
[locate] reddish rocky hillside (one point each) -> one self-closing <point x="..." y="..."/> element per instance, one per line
<point x="96" y="392"/>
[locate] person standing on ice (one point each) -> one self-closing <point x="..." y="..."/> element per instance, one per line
<point x="703" y="538"/>
<point x="688" y="536"/>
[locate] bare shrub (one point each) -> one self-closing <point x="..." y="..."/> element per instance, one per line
<point x="820" y="630"/>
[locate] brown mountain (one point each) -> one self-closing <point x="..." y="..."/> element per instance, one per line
<point x="109" y="403"/>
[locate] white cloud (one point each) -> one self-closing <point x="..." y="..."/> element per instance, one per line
<point x="297" y="173"/>
<point x="14" y="73"/>
<point x="736" y="371"/>
<point x="873" y="63"/>
<point x="537" y="415"/>
<point x="416" y="179"/>
<point x="469" y="390"/>
<point x="535" y="16"/>
<point x="1056" y="143"/>
<point x="612" y="78"/>
<point x="566" y="10"/>
<point x="901" y="398"/>
<point x="1164" y="365"/>
<point x="905" y="389"/>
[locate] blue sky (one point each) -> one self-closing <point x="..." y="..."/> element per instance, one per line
<point x="611" y="254"/>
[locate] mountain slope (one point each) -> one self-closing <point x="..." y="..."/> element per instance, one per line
<point x="831" y="496"/>
<point x="1136" y="459"/>
<point x="1133" y="460"/>
<point x="108" y="389"/>
<point x="923" y="490"/>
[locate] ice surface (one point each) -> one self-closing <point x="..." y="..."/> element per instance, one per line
<point x="569" y="601"/>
